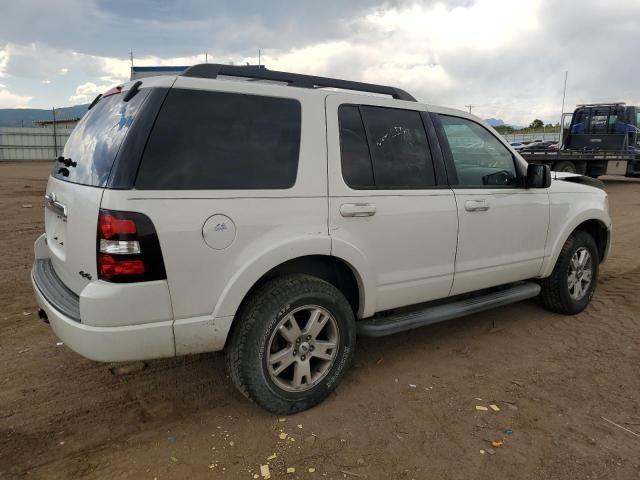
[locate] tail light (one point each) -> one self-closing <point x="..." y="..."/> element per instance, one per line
<point x="128" y="249"/>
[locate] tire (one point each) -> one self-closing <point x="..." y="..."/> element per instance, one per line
<point x="558" y="294"/>
<point x="265" y="329"/>
<point x="565" y="166"/>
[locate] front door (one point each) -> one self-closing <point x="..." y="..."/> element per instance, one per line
<point x="503" y="225"/>
<point x="385" y="205"/>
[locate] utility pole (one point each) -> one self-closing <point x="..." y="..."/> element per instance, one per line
<point x="470" y="107"/>
<point x="564" y="94"/>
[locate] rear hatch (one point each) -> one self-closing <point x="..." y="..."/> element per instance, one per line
<point x="78" y="179"/>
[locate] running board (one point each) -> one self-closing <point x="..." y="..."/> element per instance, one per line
<point x="399" y="322"/>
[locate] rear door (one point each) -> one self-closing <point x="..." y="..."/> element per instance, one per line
<point x="77" y="181"/>
<point x="503" y="225"/>
<point x="386" y="202"/>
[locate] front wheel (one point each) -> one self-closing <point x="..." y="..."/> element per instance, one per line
<point x="293" y="343"/>
<point x="574" y="278"/>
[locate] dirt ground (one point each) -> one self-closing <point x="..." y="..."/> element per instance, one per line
<point x="406" y="410"/>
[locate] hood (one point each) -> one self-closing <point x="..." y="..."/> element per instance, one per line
<point x="564" y="175"/>
<point x="577" y="178"/>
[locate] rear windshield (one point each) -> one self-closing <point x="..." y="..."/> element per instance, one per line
<point x="94" y="143"/>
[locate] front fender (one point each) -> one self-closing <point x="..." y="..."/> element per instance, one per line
<point x="566" y="214"/>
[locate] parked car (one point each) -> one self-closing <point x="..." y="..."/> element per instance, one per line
<point x="540" y="147"/>
<point x="276" y="222"/>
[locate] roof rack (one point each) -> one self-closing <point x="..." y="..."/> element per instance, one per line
<point x="212" y="70"/>
<point x="613" y="104"/>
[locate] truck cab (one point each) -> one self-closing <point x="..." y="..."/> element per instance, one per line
<point x="606" y="126"/>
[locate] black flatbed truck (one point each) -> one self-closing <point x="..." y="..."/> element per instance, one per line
<point x="601" y="139"/>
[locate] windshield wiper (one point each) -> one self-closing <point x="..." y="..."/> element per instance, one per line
<point x="95" y="100"/>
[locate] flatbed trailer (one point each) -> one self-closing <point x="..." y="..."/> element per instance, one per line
<point x="601" y="139"/>
<point x="593" y="164"/>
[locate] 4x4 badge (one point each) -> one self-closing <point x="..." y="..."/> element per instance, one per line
<point x="84" y="274"/>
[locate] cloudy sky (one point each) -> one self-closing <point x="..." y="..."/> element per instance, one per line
<point x="506" y="57"/>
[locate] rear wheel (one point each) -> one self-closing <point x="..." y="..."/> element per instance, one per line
<point x="574" y="278"/>
<point x="293" y="343"/>
<point x="566" y="166"/>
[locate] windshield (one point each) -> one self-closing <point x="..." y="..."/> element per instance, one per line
<point x="93" y="145"/>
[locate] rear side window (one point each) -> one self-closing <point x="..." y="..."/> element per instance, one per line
<point x="94" y="143"/>
<point x="219" y="140"/>
<point x="384" y="148"/>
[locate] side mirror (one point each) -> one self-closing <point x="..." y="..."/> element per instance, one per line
<point x="538" y="176"/>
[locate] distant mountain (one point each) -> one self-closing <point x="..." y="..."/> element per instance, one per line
<point x="18" y="117"/>
<point x="494" y="122"/>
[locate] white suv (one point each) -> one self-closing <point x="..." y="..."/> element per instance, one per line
<point x="275" y="216"/>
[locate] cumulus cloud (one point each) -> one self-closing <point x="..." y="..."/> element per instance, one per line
<point x="10" y="100"/>
<point x="111" y="28"/>
<point x="87" y="91"/>
<point x="507" y="59"/>
<point x="3" y="60"/>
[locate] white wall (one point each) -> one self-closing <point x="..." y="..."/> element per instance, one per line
<point x="33" y="143"/>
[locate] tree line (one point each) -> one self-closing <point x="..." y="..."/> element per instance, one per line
<point x="537" y="125"/>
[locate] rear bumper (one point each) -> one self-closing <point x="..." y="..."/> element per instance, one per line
<point x="112" y="322"/>
<point x="104" y="344"/>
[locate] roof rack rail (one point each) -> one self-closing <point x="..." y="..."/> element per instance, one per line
<point x="212" y="70"/>
<point x="613" y="104"/>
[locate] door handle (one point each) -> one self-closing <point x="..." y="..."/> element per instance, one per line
<point x="52" y="203"/>
<point x="476" y="205"/>
<point x="357" y="210"/>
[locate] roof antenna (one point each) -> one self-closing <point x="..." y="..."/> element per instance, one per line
<point x="259" y="64"/>
<point x="206" y="57"/>
<point x="131" y="57"/>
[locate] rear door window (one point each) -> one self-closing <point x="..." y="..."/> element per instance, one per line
<point x="94" y="143"/>
<point x="219" y="140"/>
<point x="384" y="148"/>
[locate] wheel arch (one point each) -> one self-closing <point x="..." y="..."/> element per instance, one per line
<point x="594" y="225"/>
<point x="329" y="268"/>
<point x="600" y="234"/>
<point x="312" y="256"/>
